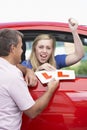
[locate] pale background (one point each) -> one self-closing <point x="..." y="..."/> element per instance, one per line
<point x="43" y="10"/>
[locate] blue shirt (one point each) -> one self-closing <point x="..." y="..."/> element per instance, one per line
<point x="60" y="62"/>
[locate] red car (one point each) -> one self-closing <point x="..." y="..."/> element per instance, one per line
<point x="67" y="109"/>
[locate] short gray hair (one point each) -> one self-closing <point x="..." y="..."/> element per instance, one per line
<point x="7" y="38"/>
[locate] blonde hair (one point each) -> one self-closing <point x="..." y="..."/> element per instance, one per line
<point x="33" y="59"/>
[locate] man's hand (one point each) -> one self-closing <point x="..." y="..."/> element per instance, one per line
<point x="53" y="84"/>
<point x="30" y="78"/>
<point x="29" y="75"/>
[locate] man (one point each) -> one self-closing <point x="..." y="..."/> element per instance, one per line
<point x="14" y="95"/>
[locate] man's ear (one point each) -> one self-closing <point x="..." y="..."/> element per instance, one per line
<point x="12" y="48"/>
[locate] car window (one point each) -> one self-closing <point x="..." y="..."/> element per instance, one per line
<point x="64" y="45"/>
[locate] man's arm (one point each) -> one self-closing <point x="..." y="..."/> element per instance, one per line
<point x="29" y="75"/>
<point x="43" y="101"/>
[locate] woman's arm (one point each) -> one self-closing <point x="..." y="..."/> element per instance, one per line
<point x="79" y="50"/>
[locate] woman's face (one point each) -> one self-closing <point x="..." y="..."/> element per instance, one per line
<point x="43" y="50"/>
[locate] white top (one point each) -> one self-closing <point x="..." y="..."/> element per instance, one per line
<point x="14" y="96"/>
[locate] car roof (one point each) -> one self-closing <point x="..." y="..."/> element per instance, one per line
<point x="57" y="26"/>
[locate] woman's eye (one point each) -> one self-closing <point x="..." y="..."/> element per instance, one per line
<point x="48" y="48"/>
<point x="40" y="47"/>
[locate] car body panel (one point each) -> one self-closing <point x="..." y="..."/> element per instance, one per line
<point x="67" y="109"/>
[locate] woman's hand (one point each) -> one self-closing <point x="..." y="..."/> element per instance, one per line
<point x="46" y="66"/>
<point x="73" y="24"/>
